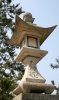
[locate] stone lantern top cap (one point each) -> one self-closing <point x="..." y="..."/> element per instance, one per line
<point x="27" y="17"/>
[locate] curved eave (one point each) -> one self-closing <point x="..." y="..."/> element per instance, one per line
<point x="47" y="32"/>
<point x="21" y="25"/>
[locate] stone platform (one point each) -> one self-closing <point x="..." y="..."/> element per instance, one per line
<point x="34" y="96"/>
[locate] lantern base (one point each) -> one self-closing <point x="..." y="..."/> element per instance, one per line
<point x="29" y="87"/>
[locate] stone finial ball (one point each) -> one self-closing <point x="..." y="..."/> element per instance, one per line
<point x="27" y="17"/>
<point x="27" y="14"/>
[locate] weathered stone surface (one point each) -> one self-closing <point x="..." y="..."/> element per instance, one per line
<point x="33" y="96"/>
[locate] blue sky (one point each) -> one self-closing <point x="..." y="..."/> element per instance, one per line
<point x="46" y="14"/>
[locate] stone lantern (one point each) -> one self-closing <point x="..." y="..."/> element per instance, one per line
<point x="30" y="37"/>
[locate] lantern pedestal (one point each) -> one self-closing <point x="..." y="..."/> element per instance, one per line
<point x="33" y="82"/>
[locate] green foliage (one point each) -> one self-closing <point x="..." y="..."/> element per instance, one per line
<point x="56" y="88"/>
<point x="55" y="66"/>
<point x="10" y="71"/>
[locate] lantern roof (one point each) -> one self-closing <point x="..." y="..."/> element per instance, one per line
<point x="22" y="28"/>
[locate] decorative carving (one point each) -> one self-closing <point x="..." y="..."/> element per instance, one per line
<point x="33" y="70"/>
